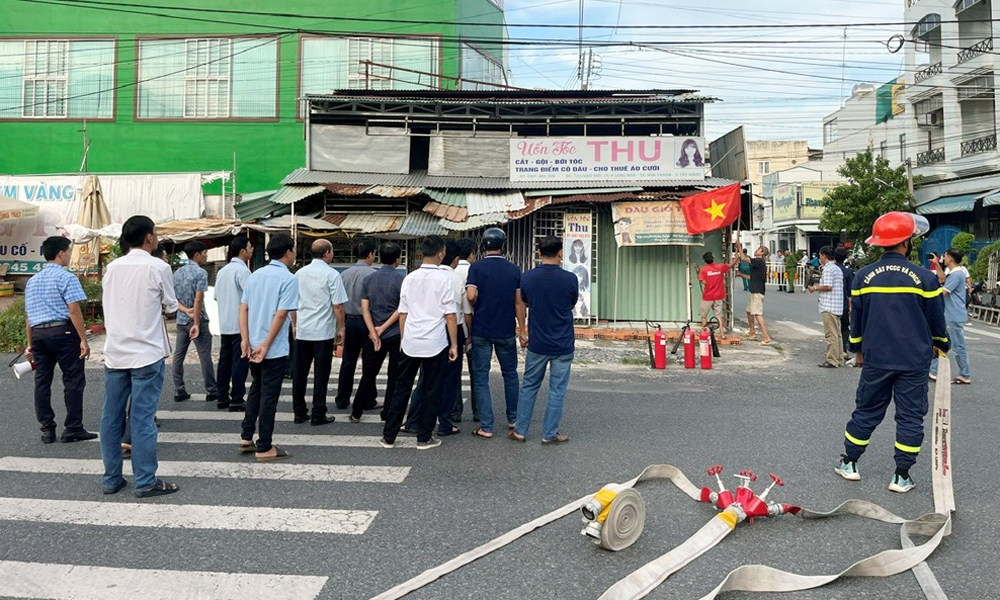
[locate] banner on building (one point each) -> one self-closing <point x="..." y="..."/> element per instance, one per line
<point x="165" y="197"/>
<point x="659" y="223"/>
<point x="812" y="199"/>
<point x="785" y="203"/>
<point x="578" y="237"/>
<point x="575" y="159"/>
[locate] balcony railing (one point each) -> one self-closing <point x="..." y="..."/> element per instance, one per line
<point x="930" y="157"/>
<point x="979" y="145"/>
<point x="927" y="73"/>
<point x="975" y="50"/>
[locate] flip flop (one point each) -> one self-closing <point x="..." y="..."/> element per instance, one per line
<point x="248" y="448"/>
<point x="517" y="438"/>
<point x="451" y="431"/>
<point x="280" y="455"/>
<point x="960" y="381"/>
<point x="932" y="377"/>
<point x="767" y="343"/>
<point x="478" y="432"/>
<point x="160" y="488"/>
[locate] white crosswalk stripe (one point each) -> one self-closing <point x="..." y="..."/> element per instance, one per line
<point x="216" y="470"/>
<point x="186" y="516"/>
<point x="292" y="441"/>
<point x="213" y="415"/>
<point x="76" y="582"/>
<point x="799" y="328"/>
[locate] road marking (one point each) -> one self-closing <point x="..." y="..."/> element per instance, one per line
<point x="981" y="332"/>
<point x="187" y="516"/>
<point x="218" y="415"/>
<point x="216" y="470"/>
<point x="335" y="441"/>
<point x="76" y="582"/>
<point x="800" y="328"/>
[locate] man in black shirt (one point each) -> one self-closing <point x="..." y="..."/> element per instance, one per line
<point x="757" y="277"/>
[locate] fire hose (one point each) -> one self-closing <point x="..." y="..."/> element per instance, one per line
<point x="621" y="525"/>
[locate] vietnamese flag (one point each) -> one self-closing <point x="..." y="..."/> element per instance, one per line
<point x="712" y="210"/>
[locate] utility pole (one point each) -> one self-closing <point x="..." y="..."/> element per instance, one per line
<point x="86" y="148"/>
<point x="581" y="71"/>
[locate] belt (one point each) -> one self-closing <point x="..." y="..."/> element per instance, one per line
<point x="355" y="317"/>
<point x="62" y="323"/>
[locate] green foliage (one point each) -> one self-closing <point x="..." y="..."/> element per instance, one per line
<point x="980" y="269"/>
<point x="91" y="287"/>
<point x="963" y="241"/>
<point x="872" y="189"/>
<point x="13" y="337"/>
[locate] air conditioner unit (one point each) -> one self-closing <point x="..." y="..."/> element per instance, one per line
<point x="933" y="119"/>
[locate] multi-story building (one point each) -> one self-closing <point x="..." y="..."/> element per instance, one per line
<point x="951" y="71"/>
<point x="137" y="89"/>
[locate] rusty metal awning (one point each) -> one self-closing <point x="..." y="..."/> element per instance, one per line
<point x="366" y="222"/>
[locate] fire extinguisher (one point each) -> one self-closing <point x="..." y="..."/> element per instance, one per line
<point x="705" y="348"/>
<point x="660" y="352"/>
<point x="689" y="349"/>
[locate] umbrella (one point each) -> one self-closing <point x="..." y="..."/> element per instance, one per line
<point x="93" y="215"/>
<point x="11" y="209"/>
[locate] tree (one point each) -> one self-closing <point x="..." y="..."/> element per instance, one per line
<point x="872" y="189"/>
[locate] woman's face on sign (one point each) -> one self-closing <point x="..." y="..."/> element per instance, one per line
<point x="689" y="149"/>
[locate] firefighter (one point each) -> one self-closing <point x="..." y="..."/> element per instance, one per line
<point x="897" y="325"/>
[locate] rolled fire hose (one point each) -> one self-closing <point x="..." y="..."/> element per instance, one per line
<point x="622" y="527"/>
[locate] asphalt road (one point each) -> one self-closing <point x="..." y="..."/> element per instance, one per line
<point x="388" y="515"/>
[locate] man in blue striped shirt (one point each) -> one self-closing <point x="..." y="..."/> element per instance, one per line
<point x="55" y="336"/>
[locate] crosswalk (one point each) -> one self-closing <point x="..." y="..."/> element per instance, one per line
<point x="189" y="425"/>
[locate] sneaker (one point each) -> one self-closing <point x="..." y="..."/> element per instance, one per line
<point x="354" y="419"/>
<point x="385" y="444"/>
<point x="848" y="469"/>
<point x="901" y="484"/>
<point x="431" y="443"/>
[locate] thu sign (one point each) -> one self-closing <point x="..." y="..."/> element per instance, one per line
<point x="578" y="235"/>
<point x="607" y="159"/>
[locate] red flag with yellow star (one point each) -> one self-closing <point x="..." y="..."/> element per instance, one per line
<point x="712" y="210"/>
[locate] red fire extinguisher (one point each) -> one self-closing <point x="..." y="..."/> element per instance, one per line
<point x="688" y="348"/>
<point x="660" y="352"/>
<point x="705" y="348"/>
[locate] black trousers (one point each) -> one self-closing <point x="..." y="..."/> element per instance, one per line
<point x="355" y="334"/>
<point x="443" y="403"/>
<point x="431" y="371"/>
<point x="262" y="402"/>
<point x="233" y="370"/>
<point x="58" y="346"/>
<point x="845" y="328"/>
<point x="371" y="364"/>
<point x="306" y="353"/>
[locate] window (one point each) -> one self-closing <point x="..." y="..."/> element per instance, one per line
<point x="902" y="147"/>
<point x="763" y="167"/>
<point x="380" y="63"/>
<point x="479" y="71"/>
<point x="208" y="78"/>
<point x="57" y="79"/>
<point x="883" y="149"/>
<point x="830" y="131"/>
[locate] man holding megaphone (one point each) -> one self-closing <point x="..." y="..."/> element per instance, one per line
<point x="52" y="300"/>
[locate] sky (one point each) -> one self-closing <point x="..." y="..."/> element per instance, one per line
<point x="778" y="83"/>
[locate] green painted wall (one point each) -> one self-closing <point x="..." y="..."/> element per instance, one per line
<point x="651" y="282"/>
<point x="265" y="152"/>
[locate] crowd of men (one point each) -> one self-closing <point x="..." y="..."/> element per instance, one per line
<point x="275" y="323"/>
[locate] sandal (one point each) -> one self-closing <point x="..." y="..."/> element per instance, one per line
<point x="517" y="438"/>
<point x="279" y="455"/>
<point x="559" y="439"/>
<point x="932" y="377"/>
<point x="448" y="432"/>
<point x="478" y="432"/>
<point x="248" y="448"/>
<point x="960" y="381"/>
<point x="160" y="488"/>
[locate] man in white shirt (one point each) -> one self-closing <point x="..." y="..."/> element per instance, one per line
<point x="138" y="290"/>
<point x="233" y="369"/>
<point x="429" y="331"/>
<point x="320" y="327"/>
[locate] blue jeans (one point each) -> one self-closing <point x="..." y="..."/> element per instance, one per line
<point x="143" y="385"/>
<point x="534" y="372"/>
<point x="482" y="352"/>
<point x="956" y="335"/>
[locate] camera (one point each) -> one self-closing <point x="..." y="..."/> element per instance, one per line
<point x="930" y="256"/>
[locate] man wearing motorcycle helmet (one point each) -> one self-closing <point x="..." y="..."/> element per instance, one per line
<point x="897" y="327"/>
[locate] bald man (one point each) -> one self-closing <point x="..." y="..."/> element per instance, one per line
<point x="319" y="329"/>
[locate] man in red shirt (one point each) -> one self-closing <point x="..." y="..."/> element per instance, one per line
<point x="713" y="294"/>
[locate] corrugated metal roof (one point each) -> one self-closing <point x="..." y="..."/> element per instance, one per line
<point x="312" y="222"/>
<point x="574" y="192"/>
<point x="250" y="209"/>
<point x="484" y="203"/>
<point x="448" y="197"/>
<point x="194" y="229"/>
<point x="366" y="222"/>
<point x="385" y="191"/>
<point x="420" y="224"/>
<point x="492" y="97"/>
<point x="422" y="179"/>
<point x="290" y="194"/>
<point x="450" y="213"/>
<point x="476" y="222"/>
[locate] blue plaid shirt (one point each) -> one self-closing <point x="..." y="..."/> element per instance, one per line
<point x="832" y="301"/>
<point x="188" y="280"/>
<point x="48" y="294"/>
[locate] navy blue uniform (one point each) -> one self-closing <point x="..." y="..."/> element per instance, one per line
<point x="897" y="319"/>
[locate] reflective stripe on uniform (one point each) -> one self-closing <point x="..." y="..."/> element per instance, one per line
<point x="855" y="340"/>
<point x="940" y="339"/>
<point x="897" y="290"/>
<point x="855" y="440"/>
<point x="905" y="448"/>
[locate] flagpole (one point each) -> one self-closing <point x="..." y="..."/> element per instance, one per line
<point x="618" y="262"/>
<point x="687" y="275"/>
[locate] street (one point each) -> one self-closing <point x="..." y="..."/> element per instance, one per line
<point x="345" y="518"/>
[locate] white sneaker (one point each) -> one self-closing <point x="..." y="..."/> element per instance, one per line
<point x="431" y="443"/>
<point x="385" y="444"/>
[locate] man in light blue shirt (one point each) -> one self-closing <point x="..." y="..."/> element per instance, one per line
<point x="269" y="303"/>
<point x="318" y="330"/>
<point x="190" y="285"/>
<point x="231" y="377"/>
<point x="955" y="313"/>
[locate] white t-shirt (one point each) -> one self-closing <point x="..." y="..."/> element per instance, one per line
<point x="427" y="295"/>
<point x="965" y="272"/>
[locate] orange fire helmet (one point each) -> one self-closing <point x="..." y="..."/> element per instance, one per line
<point x="895" y="228"/>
